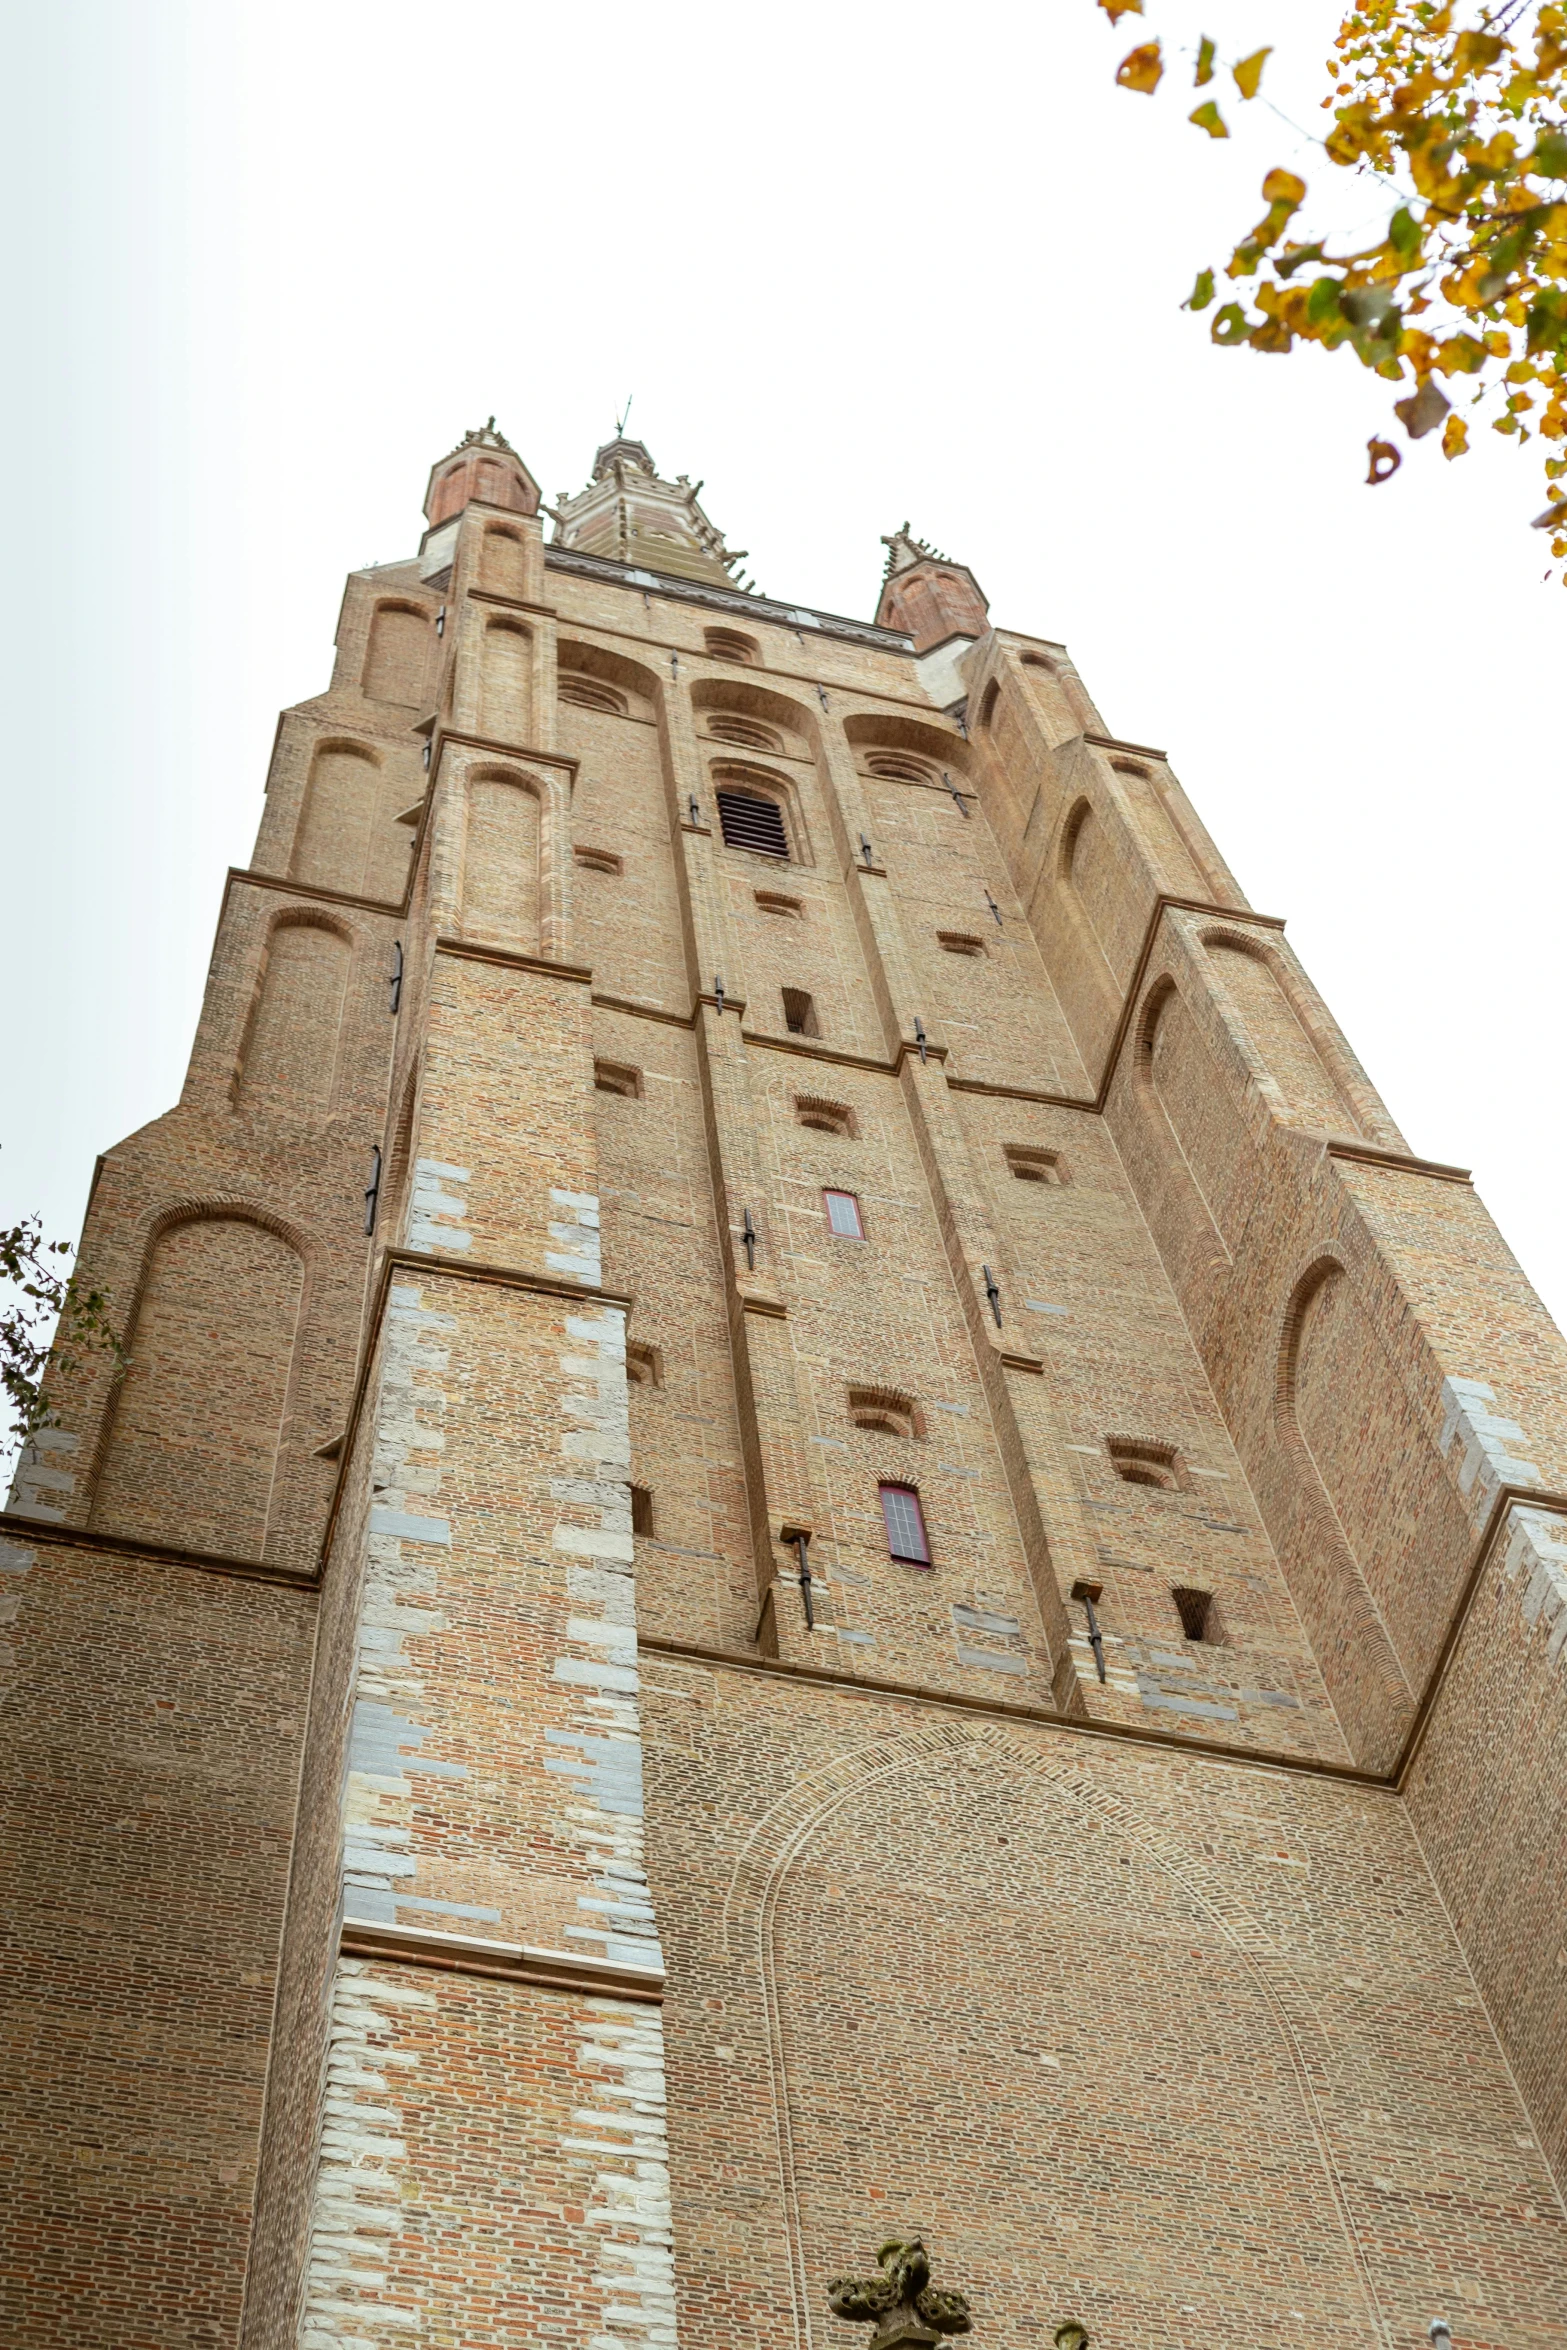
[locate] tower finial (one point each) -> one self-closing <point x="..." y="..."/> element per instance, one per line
<point x="620" y="421"/>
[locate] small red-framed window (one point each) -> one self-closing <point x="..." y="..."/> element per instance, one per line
<point x="905" y="1524"/>
<point x="843" y="1215"/>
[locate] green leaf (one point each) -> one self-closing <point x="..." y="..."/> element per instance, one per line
<point x="1204" y="62"/>
<point x="1202" y="292"/>
<point x="1230" y="325"/>
<point x="1323" y="301"/>
<point x="1549" y="159"/>
<point x="1403" y="233"/>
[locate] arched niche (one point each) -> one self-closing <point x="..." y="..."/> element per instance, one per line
<point x="1057" y="693"/>
<point x="1023" y="1897"/>
<point x="1181" y="869"/>
<point x="503" y="558"/>
<point x="289" y="1054"/>
<point x="873" y="730"/>
<point x="740" y="698"/>
<point x="1091" y="879"/>
<point x="1261" y="995"/>
<point x="1343" y="1405"/>
<point x="637" y="685"/>
<point x="397" y="656"/>
<point x="502" y="856"/>
<point x="1313" y="1415"/>
<point x="506" y="682"/>
<point x="191" y="1452"/>
<point x="347" y="837"/>
<point x="1175" y="1076"/>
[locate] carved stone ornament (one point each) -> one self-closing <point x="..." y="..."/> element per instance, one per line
<point x="902" y="2303"/>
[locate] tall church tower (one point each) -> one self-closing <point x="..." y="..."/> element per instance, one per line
<point x="813" y="1533"/>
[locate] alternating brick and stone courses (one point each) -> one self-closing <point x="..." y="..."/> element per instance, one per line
<point x="811" y="1530"/>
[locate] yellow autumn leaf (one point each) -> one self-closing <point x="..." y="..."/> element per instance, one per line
<point x="1141" y="69"/>
<point x="1116" y="9"/>
<point x="1282" y="187"/>
<point x="1248" y="73"/>
<point x="1385" y="461"/>
<point x="1204" y="71"/>
<point x="1455" y="436"/>
<point x="1208" y="118"/>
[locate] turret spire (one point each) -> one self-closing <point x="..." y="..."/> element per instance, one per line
<point x="925" y="593"/>
<point x="630" y="513"/>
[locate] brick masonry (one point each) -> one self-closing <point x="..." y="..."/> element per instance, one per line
<point x="461" y="1896"/>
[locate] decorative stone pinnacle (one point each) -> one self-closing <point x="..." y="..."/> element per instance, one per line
<point x="904" y="551"/>
<point x="906" y="2309"/>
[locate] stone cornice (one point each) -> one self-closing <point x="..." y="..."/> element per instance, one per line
<point x="470" y="951"/>
<point x="719" y="599"/>
<point x="14" y="1526"/>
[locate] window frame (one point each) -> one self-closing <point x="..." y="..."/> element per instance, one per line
<point x="831" y="1192"/>
<point x="735" y="790"/>
<point x="886" y="1487"/>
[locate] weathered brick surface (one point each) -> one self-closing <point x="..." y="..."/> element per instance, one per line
<point x="1151" y="1304"/>
<point x="1187" y="2051"/>
<point x="155" y="1720"/>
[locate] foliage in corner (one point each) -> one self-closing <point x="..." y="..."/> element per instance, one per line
<point x="1468" y="280"/>
<point x="44" y="1312"/>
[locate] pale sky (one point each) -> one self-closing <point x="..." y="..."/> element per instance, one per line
<point x="855" y="264"/>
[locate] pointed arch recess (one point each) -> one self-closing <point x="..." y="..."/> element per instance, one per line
<point x="1360" y="1632"/>
<point x="187" y="1481"/>
<point x="761" y="1873"/>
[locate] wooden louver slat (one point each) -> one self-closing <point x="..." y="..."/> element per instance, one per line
<point x="752" y="823"/>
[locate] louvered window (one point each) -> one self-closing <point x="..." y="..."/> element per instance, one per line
<point x="752" y="823"/>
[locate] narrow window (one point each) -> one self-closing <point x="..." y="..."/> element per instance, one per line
<point x="843" y="1215"/>
<point x="823" y="1117"/>
<point x="1196" y="1611"/>
<point x="1139" y="1463"/>
<point x="893" y="770"/>
<point x="641" y="1510"/>
<point x="1034" y="1166"/>
<point x="799" y="1013"/>
<point x="750" y="822"/>
<point x="905" y="1524"/>
<point x="612" y="1077"/>
<point x="745" y="732"/>
<point x="588" y="694"/>
<point x="644" y="1365"/>
<point x="881" y="1411"/>
<point x="727" y="644"/>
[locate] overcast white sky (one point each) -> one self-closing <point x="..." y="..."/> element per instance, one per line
<point x="855" y="263"/>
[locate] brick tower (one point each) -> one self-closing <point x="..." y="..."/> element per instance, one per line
<point x="814" y="1532"/>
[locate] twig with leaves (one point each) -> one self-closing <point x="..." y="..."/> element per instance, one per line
<point x="44" y="1313"/>
<point x="1469" y="277"/>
